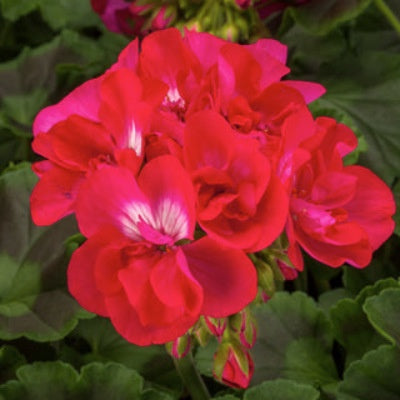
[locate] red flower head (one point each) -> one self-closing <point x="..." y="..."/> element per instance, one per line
<point x="77" y="145"/>
<point x="131" y="270"/>
<point x="240" y="202"/>
<point x="338" y="214"/>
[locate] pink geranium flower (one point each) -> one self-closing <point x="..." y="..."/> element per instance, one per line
<point x="240" y="201"/>
<point x="337" y="214"/>
<point x="131" y="270"/>
<point x="76" y="146"/>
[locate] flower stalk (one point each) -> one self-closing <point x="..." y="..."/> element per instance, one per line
<point x="191" y="378"/>
<point x="389" y="15"/>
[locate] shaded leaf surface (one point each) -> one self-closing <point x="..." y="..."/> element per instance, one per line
<point x="374" y="377"/>
<point x="33" y="298"/>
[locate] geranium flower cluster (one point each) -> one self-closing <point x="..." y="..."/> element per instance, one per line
<point x="178" y="162"/>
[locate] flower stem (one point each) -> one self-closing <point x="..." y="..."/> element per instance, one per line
<point x="191" y="378"/>
<point x="388" y="13"/>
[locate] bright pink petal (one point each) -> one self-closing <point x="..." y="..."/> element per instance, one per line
<point x="165" y="56"/>
<point x="372" y="206"/>
<point x="76" y="141"/>
<point x="205" y="46"/>
<point x="81" y="272"/>
<point x="309" y="90"/>
<point x="174" y="284"/>
<point x="128" y="324"/>
<point x="333" y="189"/>
<point x="227" y="276"/>
<point x="83" y="101"/>
<point x="161" y="300"/>
<point x="54" y="195"/>
<point x="169" y="188"/>
<point x="358" y="254"/>
<point x="268" y="46"/>
<point x="128" y="58"/>
<point x="110" y="196"/>
<point x="256" y="232"/>
<point x="123" y="111"/>
<point x="207" y="141"/>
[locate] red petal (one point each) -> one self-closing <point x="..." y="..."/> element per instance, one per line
<point x="81" y="272"/>
<point x="169" y="188"/>
<point x="207" y="141"/>
<point x="54" y="195"/>
<point x="105" y="198"/>
<point x="227" y="276"/>
<point x="83" y="101"/>
<point x="372" y="206"/>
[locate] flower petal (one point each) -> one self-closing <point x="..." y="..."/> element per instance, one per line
<point x="227" y="276"/>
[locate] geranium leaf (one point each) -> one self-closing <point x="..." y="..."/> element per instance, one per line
<point x="350" y="324"/>
<point x="12" y="9"/>
<point x="10" y="360"/>
<point x="281" y="389"/>
<point x="307" y="361"/>
<point x="102" y="343"/>
<point x="375" y="376"/>
<point x="383" y="313"/>
<point x="58" y="380"/>
<point x="321" y="17"/>
<point x="33" y="299"/>
<point x="281" y="321"/>
<point x="109" y="381"/>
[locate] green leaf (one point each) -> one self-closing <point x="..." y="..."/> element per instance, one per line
<point x="97" y="340"/>
<point x="360" y="67"/>
<point x="10" y="360"/>
<point x="226" y="397"/>
<point x="350" y="324"/>
<point x="109" y="381"/>
<point x="12" y="9"/>
<point x="281" y="389"/>
<point x="382" y="267"/>
<point x="374" y="377"/>
<point x="59" y="381"/>
<point x="383" y="313"/>
<point x="281" y="321"/>
<point x="152" y="394"/>
<point x="307" y="361"/>
<point x="328" y="299"/>
<point x="68" y="13"/>
<point x="33" y="298"/>
<point x="320" y="17"/>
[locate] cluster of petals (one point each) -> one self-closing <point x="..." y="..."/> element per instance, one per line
<point x="182" y="158"/>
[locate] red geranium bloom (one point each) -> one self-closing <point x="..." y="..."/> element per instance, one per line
<point x="240" y="202"/>
<point x="77" y="145"/>
<point x="130" y="268"/>
<point x="338" y="214"/>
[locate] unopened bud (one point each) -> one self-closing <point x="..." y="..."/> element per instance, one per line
<point x="233" y="365"/>
<point x="179" y="347"/>
<point x="216" y="326"/>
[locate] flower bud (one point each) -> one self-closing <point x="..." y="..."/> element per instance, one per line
<point x="179" y="347"/>
<point x="216" y="326"/>
<point x="233" y="365"/>
<point x="201" y="332"/>
<point x="243" y="324"/>
<point x="266" y="277"/>
<point x="288" y="271"/>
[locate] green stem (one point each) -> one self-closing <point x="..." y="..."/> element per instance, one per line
<point x="388" y="13"/>
<point x="191" y="378"/>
